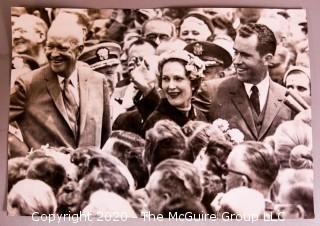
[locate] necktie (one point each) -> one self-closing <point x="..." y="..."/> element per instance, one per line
<point x="70" y="105"/>
<point x="254" y="99"/>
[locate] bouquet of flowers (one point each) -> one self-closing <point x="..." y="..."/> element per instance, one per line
<point x="234" y="135"/>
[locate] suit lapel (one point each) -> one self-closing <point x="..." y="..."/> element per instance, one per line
<point x="241" y="102"/>
<point x="55" y="93"/>
<point x="272" y="108"/>
<point x="84" y="94"/>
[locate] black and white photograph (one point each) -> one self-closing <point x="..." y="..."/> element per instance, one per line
<point x="160" y="113"/>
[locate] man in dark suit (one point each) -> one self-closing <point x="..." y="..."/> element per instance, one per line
<point x="64" y="103"/>
<point x="249" y="101"/>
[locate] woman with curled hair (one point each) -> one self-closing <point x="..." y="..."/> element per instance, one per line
<point x="165" y="140"/>
<point x="69" y="198"/>
<point x="47" y="170"/>
<point x="81" y="158"/>
<point x="181" y="74"/>
<point x="17" y="170"/>
<point x="301" y="158"/>
<point x="31" y="196"/>
<point x="199" y="134"/>
<point x="128" y="147"/>
<point x="288" y="135"/>
<point x="107" y="178"/>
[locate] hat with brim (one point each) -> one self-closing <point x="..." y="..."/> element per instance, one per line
<point x="101" y="55"/>
<point x="299" y="68"/>
<point x="201" y="17"/>
<point x="210" y="53"/>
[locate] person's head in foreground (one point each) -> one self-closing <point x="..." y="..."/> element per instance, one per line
<point x="287" y="136"/>
<point x="292" y="193"/>
<point x="173" y="178"/>
<point x="165" y="140"/>
<point x="253" y="165"/>
<point x="31" y="196"/>
<point x="240" y="201"/>
<point x="108" y="204"/>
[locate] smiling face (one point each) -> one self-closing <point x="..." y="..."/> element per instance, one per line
<point x="193" y="29"/>
<point x="25" y="38"/>
<point x="62" y="51"/>
<point x="175" y="84"/>
<point x="250" y="66"/>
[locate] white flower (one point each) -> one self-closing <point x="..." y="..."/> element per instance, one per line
<point x="195" y="66"/>
<point x="236" y="136"/>
<point x="221" y="124"/>
<point x="191" y="68"/>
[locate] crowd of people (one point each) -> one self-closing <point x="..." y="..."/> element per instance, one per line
<point x="160" y="111"/>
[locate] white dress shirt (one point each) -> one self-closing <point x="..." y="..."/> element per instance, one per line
<point x="263" y="88"/>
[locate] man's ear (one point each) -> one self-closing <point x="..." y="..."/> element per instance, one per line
<point x="221" y="74"/>
<point x="41" y="38"/>
<point x="166" y="196"/>
<point x="37" y="13"/>
<point x="80" y="49"/>
<point x="245" y="182"/>
<point x="267" y="59"/>
<point x="299" y="211"/>
<point x="290" y="211"/>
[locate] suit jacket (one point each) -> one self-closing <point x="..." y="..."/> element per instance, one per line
<point x="36" y="103"/>
<point x="227" y="99"/>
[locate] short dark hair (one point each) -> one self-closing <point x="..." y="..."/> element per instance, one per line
<point x="262" y="161"/>
<point x="267" y="42"/>
<point x="302" y="194"/>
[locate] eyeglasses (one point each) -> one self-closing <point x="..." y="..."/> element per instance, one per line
<point x="226" y="171"/>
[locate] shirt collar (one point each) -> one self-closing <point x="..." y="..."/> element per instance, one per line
<point x="262" y="86"/>
<point x="73" y="78"/>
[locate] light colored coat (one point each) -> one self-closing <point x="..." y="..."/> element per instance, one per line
<point x="36" y="103"/>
